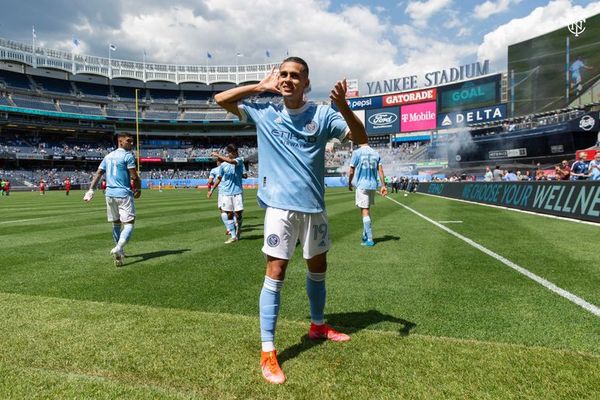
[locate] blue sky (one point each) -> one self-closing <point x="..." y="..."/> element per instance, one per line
<point x="356" y="39"/>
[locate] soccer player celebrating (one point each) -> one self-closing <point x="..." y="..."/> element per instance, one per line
<point x="291" y="149"/>
<point x="365" y="163"/>
<point x="231" y="194"/>
<point x="119" y="167"/>
<point x="212" y="178"/>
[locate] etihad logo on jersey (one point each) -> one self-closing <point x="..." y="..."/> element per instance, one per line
<point x="382" y="119"/>
<point x="293" y="139"/>
<point x="409" y="97"/>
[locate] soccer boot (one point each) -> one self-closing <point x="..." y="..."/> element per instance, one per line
<point x="270" y="367"/>
<point x="118" y="256"/>
<point x="326" y="332"/>
<point x="368" y="243"/>
<point x="231" y="240"/>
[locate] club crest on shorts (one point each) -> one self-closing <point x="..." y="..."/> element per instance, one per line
<point x="273" y="240"/>
<point x="311" y="127"/>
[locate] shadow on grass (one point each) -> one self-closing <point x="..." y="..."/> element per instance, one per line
<point x="155" y="254"/>
<point x="350" y="323"/>
<point x="386" y="238"/>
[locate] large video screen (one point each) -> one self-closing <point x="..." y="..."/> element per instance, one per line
<point x="470" y="94"/>
<point x="556" y="70"/>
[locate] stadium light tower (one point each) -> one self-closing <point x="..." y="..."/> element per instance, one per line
<point x="111" y="48"/>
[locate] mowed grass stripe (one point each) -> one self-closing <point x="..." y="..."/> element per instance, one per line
<point x="415" y="273"/>
<point x="538" y="279"/>
<point x="563" y="252"/>
<point x="169" y="353"/>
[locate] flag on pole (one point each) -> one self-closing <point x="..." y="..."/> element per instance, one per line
<point x="268" y="54"/>
<point x="76" y="41"/>
<point x="33" y="32"/>
<point x="208" y="55"/>
<point x="112" y="47"/>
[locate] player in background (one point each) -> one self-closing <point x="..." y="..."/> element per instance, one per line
<point x="212" y="177"/>
<point x="42" y="187"/>
<point x="575" y="70"/>
<point x="7" y="187"/>
<point x="291" y="149"/>
<point x="103" y="186"/>
<point x="3" y="186"/>
<point x="594" y="168"/>
<point x="230" y="177"/>
<point x="365" y="164"/>
<point x="119" y="168"/>
<point x="67" y="186"/>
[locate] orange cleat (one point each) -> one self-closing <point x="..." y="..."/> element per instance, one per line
<point x="270" y="367"/>
<point x="326" y="332"/>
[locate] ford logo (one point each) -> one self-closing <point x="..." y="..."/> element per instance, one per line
<point x="383" y="118"/>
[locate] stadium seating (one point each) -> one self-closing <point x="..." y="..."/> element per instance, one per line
<point x="161" y="115"/>
<point x="5" y="101"/>
<point x="53" y="85"/>
<point x="127" y="93"/>
<point x="34" y="104"/>
<point x="79" y="109"/>
<point x="15" y="80"/>
<point x="120" y="113"/>
<point x="92" y="90"/>
<point x="163" y="96"/>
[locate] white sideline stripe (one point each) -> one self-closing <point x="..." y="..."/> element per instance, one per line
<point x="515" y="209"/>
<point x="547" y="284"/>
<point x="450" y="222"/>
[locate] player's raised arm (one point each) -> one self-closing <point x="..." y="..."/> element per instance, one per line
<point x="229" y="98"/>
<point x="223" y="158"/>
<point x="357" y="130"/>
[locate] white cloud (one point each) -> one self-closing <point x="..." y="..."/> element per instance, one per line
<point x="421" y="11"/>
<point x="489" y="8"/>
<point x="555" y="15"/>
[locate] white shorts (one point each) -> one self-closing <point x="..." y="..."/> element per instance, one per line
<point x="365" y="198"/>
<point x="232" y="203"/>
<point x="219" y="201"/>
<point x="284" y="228"/>
<point x="120" y="209"/>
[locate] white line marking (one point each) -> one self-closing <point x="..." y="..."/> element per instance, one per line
<point x="450" y="222"/>
<point x="547" y="284"/>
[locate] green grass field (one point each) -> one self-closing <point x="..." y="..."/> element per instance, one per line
<point x="430" y="316"/>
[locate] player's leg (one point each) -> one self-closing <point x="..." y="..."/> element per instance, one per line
<point x="366" y="219"/>
<point x="126" y="208"/>
<point x="315" y="244"/>
<point x="227" y="205"/>
<point x="280" y="236"/>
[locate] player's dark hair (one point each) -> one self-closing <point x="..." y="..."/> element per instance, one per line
<point x="297" y="60"/>
<point x="231" y="148"/>
<point x="124" y="134"/>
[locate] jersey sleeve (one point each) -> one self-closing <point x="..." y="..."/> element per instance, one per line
<point x="337" y="128"/>
<point x="103" y="164"/>
<point x="130" y="161"/>
<point x="251" y="111"/>
<point x="240" y="161"/>
<point x="219" y="172"/>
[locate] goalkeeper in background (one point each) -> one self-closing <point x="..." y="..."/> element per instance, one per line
<point x="121" y="175"/>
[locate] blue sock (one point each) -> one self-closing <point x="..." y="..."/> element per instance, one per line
<point x="224" y="219"/>
<point x="231" y="227"/>
<point x="125" y="235"/>
<point x="116" y="232"/>
<point x="269" y="308"/>
<point x="367" y="228"/>
<point x="317" y="292"/>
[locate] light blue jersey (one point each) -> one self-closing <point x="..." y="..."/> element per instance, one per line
<point x="365" y="161"/>
<point x="214" y="173"/>
<point x="231" y="177"/>
<point x="594" y="171"/>
<point x="291" y="150"/>
<point x="116" y="166"/>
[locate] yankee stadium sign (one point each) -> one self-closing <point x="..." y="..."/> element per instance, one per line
<point x="433" y="78"/>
